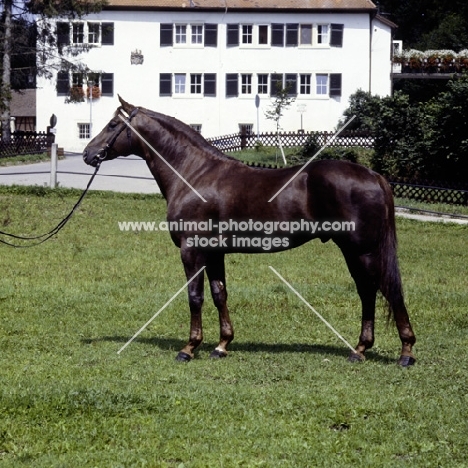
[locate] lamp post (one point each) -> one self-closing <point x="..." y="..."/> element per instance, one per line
<point x="257" y="105"/>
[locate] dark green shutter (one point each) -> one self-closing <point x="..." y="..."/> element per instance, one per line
<point x="107" y="34"/>
<point x="336" y="38"/>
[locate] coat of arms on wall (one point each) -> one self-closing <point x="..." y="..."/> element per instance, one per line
<point x="136" y="57"/>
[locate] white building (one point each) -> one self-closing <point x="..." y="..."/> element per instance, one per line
<point x="205" y="61"/>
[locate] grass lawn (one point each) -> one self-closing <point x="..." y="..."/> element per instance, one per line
<point x="25" y="159"/>
<point x="284" y="397"/>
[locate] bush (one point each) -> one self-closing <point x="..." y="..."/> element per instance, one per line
<point x="312" y="146"/>
<point x="417" y="140"/>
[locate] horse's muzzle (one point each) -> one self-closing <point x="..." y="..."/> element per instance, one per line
<point x="94" y="160"/>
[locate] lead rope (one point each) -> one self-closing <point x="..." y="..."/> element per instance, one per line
<point x="56" y="229"/>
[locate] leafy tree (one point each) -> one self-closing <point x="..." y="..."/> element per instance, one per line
<point x="429" y="24"/>
<point x="281" y="102"/>
<point x="449" y="131"/>
<point x="411" y="139"/>
<point x="20" y="40"/>
<point x="399" y="130"/>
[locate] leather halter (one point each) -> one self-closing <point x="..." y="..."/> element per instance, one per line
<point x="102" y="153"/>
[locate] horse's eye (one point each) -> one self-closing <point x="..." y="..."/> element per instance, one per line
<point x="112" y="124"/>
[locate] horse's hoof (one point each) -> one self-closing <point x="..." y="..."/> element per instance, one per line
<point x="406" y="361"/>
<point x="183" y="357"/>
<point x="355" y="357"/>
<point x="218" y="354"/>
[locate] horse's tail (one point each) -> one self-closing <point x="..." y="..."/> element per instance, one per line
<point x="390" y="279"/>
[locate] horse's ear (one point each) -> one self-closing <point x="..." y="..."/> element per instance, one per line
<point x="126" y="106"/>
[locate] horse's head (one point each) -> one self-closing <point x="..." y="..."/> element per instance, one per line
<point x="115" y="139"/>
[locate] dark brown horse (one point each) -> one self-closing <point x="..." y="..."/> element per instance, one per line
<point x="218" y="205"/>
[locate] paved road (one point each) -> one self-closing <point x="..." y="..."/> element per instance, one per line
<point x="130" y="175"/>
<point x="425" y="217"/>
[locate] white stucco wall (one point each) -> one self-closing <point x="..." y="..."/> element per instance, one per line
<point x="381" y="66"/>
<point x="139" y="84"/>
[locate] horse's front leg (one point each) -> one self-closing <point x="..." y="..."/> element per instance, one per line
<point x="193" y="260"/>
<point x="217" y="278"/>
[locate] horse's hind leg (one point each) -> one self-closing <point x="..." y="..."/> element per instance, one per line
<point x="364" y="272"/>
<point x="193" y="261"/>
<point x="217" y="278"/>
<point x="405" y="331"/>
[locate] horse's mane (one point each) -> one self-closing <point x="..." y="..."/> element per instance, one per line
<point x="195" y="139"/>
<point x="174" y="125"/>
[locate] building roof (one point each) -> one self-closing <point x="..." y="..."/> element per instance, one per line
<point x="23" y="103"/>
<point x="243" y="4"/>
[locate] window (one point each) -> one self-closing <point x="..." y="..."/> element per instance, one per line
<point x="246" y="129"/>
<point x="277" y="35"/>
<point x="305" y="84"/>
<point x="321" y="84"/>
<point x="262" y="83"/>
<point x="199" y="84"/>
<point x="336" y="38"/>
<point x="93" y="79"/>
<point x="84" y="131"/>
<point x="232" y="85"/>
<point x="246" y="84"/>
<point x="247" y="32"/>
<point x="93" y="33"/>
<point x="232" y="35"/>
<point x="181" y="34"/>
<point x="78" y="33"/>
<point x="195" y="83"/>
<point x="197" y="33"/>
<point x="179" y="83"/>
<point x="85" y="33"/>
<point x="276" y="83"/>
<point x="292" y="35"/>
<point x="79" y="81"/>
<point x="291" y="84"/>
<point x="322" y="34"/>
<point x="263" y="34"/>
<point x="196" y="127"/>
<point x="306" y="34"/>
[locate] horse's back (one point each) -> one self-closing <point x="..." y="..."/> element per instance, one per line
<point x="345" y="191"/>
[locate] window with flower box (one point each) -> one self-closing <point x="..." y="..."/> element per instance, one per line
<point x="79" y="86"/>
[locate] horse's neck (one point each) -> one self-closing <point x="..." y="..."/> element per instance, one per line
<point x="167" y="159"/>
